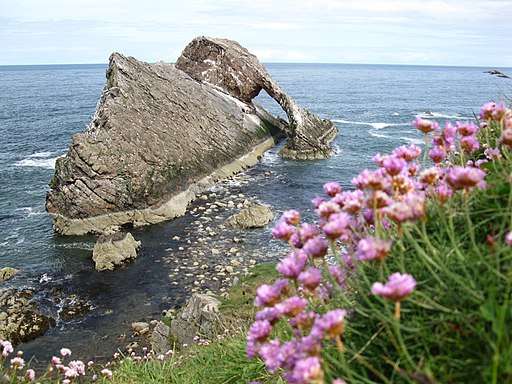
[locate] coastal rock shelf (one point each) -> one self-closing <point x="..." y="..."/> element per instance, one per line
<point x="160" y="136"/>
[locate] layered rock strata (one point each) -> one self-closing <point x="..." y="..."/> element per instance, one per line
<point x="164" y="133"/>
<point x="226" y="64"/>
<point x="158" y="138"/>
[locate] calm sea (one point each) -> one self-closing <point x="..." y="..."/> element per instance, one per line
<point x="41" y="107"/>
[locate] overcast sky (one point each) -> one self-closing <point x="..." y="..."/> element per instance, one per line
<point x="437" y="32"/>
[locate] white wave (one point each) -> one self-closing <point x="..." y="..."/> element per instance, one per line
<point x="412" y="140"/>
<point x="41" y="160"/>
<point x="373" y="125"/>
<point x="395" y="114"/>
<point x="41" y="154"/>
<point x="375" y="134"/>
<point x="39" y="163"/>
<point x="30" y="211"/>
<point x="438" y="115"/>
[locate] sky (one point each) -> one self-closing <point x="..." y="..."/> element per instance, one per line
<point x="430" y="32"/>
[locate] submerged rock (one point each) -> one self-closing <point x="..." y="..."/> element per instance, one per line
<point x="114" y="249"/>
<point x="7" y="272"/>
<point x="229" y="66"/>
<point x="255" y="216"/>
<point x="20" y="319"/>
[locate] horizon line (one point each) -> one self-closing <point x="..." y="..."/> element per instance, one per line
<point x="283" y="62"/>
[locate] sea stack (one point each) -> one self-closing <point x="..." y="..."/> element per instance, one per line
<point x="227" y="65"/>
<point x="161" y="135"/>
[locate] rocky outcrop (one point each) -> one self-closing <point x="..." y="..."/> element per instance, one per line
<point x="157" y="139"/>
<point x="159" y="339"/>
<point x="7" y="272"/>
<point x="164" y="133"/>
<point x="226" y="64"/>
<point x="200" y="316"/>
<point x="254" y="216"/>
<point x="114" y="249"/>
<point x="20" y="319"/>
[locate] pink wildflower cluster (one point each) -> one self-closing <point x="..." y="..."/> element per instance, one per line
<point x="358" y="226"/>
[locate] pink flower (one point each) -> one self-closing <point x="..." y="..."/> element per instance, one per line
<point x="269" y="295"/>
<point x="316" y="247"/>
<point x="6" y="348"/>
<point x="269" y="313"/>
<point x="310" y="278"/>
<point x="508" y="238"/>
<point x="291" y="216"/>
<point x="331" y="324"/>
<point x="30" y="375"/>
<point x="352" y="201"/>
<point x="464" y="177"/>
<point x="258" y="333"/>
<point x="437" y="154"/>
<point x="17" y="363"/>
<point x="430" y="175"/>
<point x="466" y="128"/>
<point x="492" y="153"/>
<point x="106" y="373"/>
<point x="372" y="248"/>
<point x="337" y="225"/>
<point x="393" y="165"/>
<point x="408" y="153"/>
<point x="506" y="137"/>
<point x="292" y="306"/>
<point x="65" y="352"/>
<point x="293" y="265"/>
<point x="332" y="188"/>
<point x="425" y="126"/>
<point x="327" y="208"/>
<point x="306" y="232"/>
<point x="444" y="193"/>
<point x="283" y="231"/>
<point x="398" y="212"/>
<point x="396" y="288"/>
<point x="469" y="144"/>
<point x="307" y="370"/>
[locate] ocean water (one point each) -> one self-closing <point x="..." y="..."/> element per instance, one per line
<point x="41" y="107"/>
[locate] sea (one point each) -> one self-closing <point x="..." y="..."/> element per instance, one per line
<point x="41" y="107"/>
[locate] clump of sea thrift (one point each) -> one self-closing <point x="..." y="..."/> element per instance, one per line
<point x="359" y="226"/>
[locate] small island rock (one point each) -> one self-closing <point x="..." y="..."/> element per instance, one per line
<point x="114" y="249"/>
<point x="254" y="216"/>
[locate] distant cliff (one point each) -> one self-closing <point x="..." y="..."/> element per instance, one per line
<point x="157" y="139"/>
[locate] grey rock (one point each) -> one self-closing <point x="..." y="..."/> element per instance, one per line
<point x="229" y="66"/>
<point x="160" y="342"/>
<point x="139" y="326"/>
<point x="255" y="216"/>
<point x="113" y="250"/>
<point x="200" y="316"/>
<point x="7" y="272"/>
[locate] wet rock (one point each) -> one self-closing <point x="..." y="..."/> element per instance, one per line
<point x="73" y="307"/>
<point x="7" y="272"/>
<point x="255" y="216"/>
<point x="140" y="327"/>
<point x="200" y="316"/>
<point x="20" y="318"/>
<point x="114" y="250"/>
